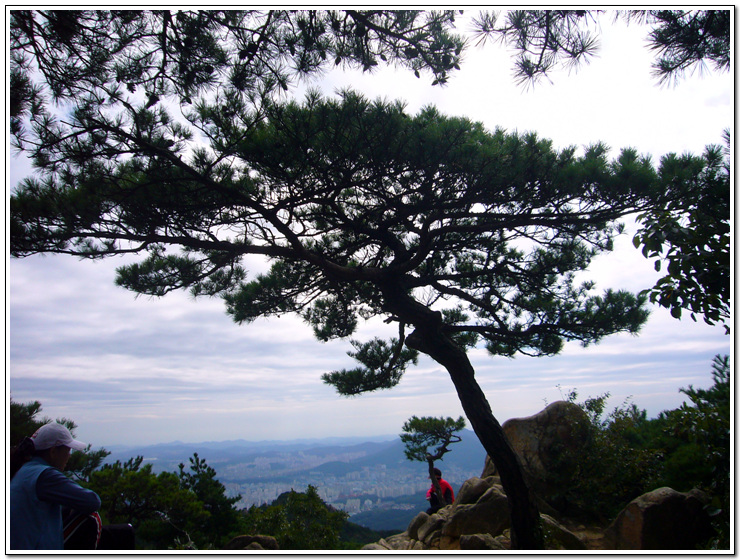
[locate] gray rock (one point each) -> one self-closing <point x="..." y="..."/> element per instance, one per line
<point x="478" y="541"/>
<point x="663" y="519"/>
<point x="548" y="445"/>
<point x="418" y="545"/>
<point x="433" y="538"/>
<point x="489" y="515"/>
<point x="243" y="542"/>
<point x="413" y="528"/>
<point x="489" y="468"/>
<point x="434" y="523"/>
<point x="473" y="488"/>
<point x="398" y="542"/>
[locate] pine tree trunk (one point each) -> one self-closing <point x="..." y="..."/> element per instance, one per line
<point x="429" y="338"/>
<point x="526" y="530"/>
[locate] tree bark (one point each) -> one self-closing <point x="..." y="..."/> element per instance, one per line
<point x="526" y="530"/>
<point x="429" y="338"/>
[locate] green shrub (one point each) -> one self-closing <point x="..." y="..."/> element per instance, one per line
<point x="626" y="454"/>
<point x="611" y="468"/>
<point x="298" y="521"/>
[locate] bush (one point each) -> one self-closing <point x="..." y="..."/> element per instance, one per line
<point x="704" y="426"/>
<point x="298" y="521"/>
<point x="626" y="455"/>
<point x="612" y="467"/>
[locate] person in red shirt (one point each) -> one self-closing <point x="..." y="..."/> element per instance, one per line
<point x="447" y="492"/>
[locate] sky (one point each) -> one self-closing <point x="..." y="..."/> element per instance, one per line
<point x="137" y="370"/>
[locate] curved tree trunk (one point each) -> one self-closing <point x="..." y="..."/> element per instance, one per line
<point x="428" y="338"/>
<point x="526" y="531"/>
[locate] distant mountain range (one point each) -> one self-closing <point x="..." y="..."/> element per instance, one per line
<point x="365" y="451"/>
<point x="241" y="445"/>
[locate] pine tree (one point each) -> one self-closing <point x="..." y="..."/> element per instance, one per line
<point x="546" y="40"/>
<point x="419" y="434"/>
<point x="459" y="235"/>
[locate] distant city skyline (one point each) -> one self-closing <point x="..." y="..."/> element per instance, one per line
<point x="135" y="370"/>
<point x="354" y="476"/>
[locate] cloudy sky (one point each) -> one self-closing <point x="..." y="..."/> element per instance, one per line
<point x="134" y="370"/>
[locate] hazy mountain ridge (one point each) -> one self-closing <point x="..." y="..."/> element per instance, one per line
<point x="260" y="444"/>
<point x="302" y="454"/>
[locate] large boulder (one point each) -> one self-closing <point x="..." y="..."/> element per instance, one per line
<point x="413" y="529"/>
<point x="489" y="514"/>
<point x="663" y="519"/>
<point x="548" y="445"/>
<point x="252" y="542"/>
<point x="432" y="527"/>
<point x="473" y="488"/>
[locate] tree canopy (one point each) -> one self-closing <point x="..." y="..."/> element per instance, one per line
<point x="159" y="508"/>
<point x="298" y="521"/>
<point x="431" y="222"/>
<point x="691" y="236"/>
<point x="98" y="58"/>
<point x="419" y="434"/>
<point x="544" y="40"/>
<point x="359" y="204"/>
<point x="223" y="521"/>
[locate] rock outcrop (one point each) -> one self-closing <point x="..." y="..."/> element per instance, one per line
<point x="489" y="514"/>
<point x="661" y="520"/>
<point x="547" y="443"/>
<point x="478" y="519"/>
<point x="252" y="542"/>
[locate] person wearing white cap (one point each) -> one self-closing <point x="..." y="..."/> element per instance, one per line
<point x="39" y="490"/>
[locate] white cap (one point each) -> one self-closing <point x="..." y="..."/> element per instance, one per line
<point x="52" y="435"/>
